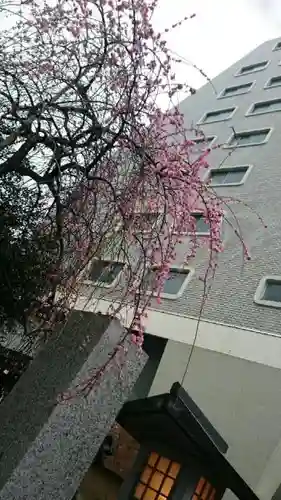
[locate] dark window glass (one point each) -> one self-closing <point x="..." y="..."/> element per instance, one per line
<point x="272" y="291"/>
<point x="230" y="176"/>
<point x="275" y="105"/>
<point x="203" y="140"/>
<point x="105" y="271"/>
<point x="145" y="221"/>
<point x="174" y="281"/>
<point x="253" y="67"/>
<point x="201" y="144"/>
<point x="201" y="225"/>
<point x="200" y="140"/>
<point x="275" y="81"/>
<point x="267" y="106"/>
<point x="218" y="177"/>
<point x="221" y="114"/>
<point x="239" y="139"/>
<point x="238" y="89"/>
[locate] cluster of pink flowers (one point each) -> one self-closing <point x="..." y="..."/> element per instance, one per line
<point x="101" y="61"/>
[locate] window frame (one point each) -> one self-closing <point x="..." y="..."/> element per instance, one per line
<point x="276" y="46"/>
<point x="267" y="84"/>
<point x="261" y="288"/>
<point x="198" y="233"/>
<point x="214" y="138"/>
<point x="202" y="122"/>
<point x="101" y="283"/>
<point x="141" y="213"/>
<point x="227" y="169"/>
<point x="238" y="73"/>
<point x="171" y="296"/>
<point x="202" y="234"/>
<point x="249" y="112"/>
<point x="227" y="145"/>
<point x="222" y="96"/>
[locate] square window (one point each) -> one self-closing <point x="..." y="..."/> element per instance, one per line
<point x="272" y="291"/>
<point x="248" y="138"/>
<point x="262" y="107"/>
<point x="217" y="115"/>
<point x="202" y="143"/>
<point x="275" y="81"/>
<point x="252" y="68"/>
<point x="236" y="90"/>
<point x="277" y="46"/>
<point x="228" y="176"/>
<point x="105" y="272"/>
<point x="269" y="292"/>
<point x="143" y="223"/>
<point x="174" y="285"/>
<point x="201" y="226"/>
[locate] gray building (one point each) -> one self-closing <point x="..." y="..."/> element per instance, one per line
<point x="230" y="361"/>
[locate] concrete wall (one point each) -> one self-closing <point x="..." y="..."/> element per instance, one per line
<point x="244" y="343"/>
<point x="241" y="398"/>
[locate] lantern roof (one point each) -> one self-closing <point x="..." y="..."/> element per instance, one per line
<point x="175" y="420"/>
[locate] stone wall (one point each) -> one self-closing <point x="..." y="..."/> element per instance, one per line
<point x="46" y="446"/>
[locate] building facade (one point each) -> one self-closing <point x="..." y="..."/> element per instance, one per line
<point x="234" y="369"/>
<point x="230" y="360"/>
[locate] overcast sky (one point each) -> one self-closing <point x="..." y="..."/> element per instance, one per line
<point x="222" y="32"/>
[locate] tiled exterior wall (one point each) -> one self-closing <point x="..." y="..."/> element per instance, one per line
<point x="231" y="299"/>
<point x="239" y="397"/>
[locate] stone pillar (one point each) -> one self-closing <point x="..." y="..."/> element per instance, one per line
<point x="47" y="446"/>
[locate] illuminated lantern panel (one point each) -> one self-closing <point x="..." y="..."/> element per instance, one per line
<point x="157" y="478"/>
<point x="204" y="490"/>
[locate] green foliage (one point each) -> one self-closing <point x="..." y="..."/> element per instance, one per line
<point x="25" y="256"/>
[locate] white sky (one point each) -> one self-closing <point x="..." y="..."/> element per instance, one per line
<point x="222" y="32"/>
